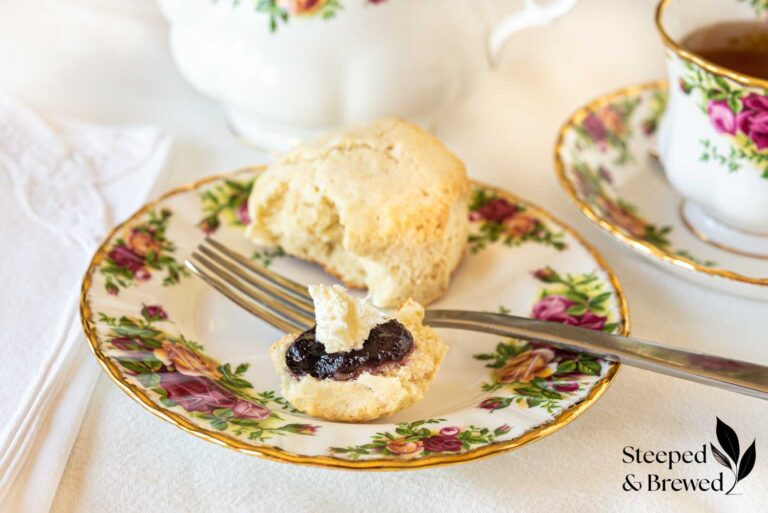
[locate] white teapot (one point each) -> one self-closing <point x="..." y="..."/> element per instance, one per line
<point x="287" y="69"/>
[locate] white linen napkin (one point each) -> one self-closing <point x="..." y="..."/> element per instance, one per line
<point x="62" y="184"/>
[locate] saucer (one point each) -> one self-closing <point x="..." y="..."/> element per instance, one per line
<point x="605" y="160"/>
<point x="196" y="360"/>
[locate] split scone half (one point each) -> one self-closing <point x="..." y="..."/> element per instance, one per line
<point x="357" y="364"/>
<point x="382" y="207"/>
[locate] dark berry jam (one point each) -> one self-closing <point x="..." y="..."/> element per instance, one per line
<point x="387" y="343"/>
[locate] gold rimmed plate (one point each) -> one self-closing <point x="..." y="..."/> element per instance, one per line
<point x="605" y="160"/>
<point x="196" y="360"/>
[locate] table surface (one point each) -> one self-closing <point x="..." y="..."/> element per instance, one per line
<point x="108" y="61"/>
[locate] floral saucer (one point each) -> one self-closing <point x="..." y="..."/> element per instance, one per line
<point x="605" y="159"/>
<point x="194" y="359"/>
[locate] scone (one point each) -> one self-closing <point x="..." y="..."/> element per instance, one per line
<point x="376" y="367"/>
<point x="382" y="207"/>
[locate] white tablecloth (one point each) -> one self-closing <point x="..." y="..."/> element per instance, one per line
<point x="92" y="64"/>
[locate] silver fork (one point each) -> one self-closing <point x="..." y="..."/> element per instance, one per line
<point x="287" y="306"/>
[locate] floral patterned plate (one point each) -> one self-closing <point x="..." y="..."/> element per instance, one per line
<point x="194" y="359"/>
<point x="604" y="157"/>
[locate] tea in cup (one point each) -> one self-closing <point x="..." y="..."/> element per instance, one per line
<point x="713" y="137"/>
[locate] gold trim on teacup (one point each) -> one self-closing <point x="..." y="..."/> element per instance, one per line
<point x="708" y="65"/>
<point x="276" y="454"/>
<point x="614" y="230"/>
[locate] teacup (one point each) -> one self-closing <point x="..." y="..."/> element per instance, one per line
<point x="713" y="137"/>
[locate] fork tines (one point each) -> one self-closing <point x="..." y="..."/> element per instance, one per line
<point x="281" y="302"/>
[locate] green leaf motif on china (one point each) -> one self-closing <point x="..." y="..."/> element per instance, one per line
<point x="178" y="373"/>
<point x="495" y="219"/>
<point x="760" y="6"/>
<point x="594" y="185"/>
<point x="225" y="202"/>
<point x="587" y="299"/>
<point x="282" y="11"/>
<point x="685" y="254"/>
<point x="142" y="251"/>
<point x="735" y="112"/>
<point x="268" y="255"/>
<point x="422" y="438"/>
<point x="657" y="104"/>
<point x="538" y="376"/>
<point x="711" y="153"/>
<point x="609" y="129"/>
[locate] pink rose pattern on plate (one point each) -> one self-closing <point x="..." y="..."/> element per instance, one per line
<point x="594" y="183"/>
<point x="538" y="376"/>
<point x="609" y="129"/>
<point x="143" y="251"/>
<point x="419" y="439"/>
<point x="227" y="201"/>
<point x="181" y="376"/>
<point x="495" y="219"/>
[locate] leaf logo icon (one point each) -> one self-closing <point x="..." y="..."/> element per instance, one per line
<point x="739" y="464"/>
<point x="747" y="462"/>
<point x="721" y="458"/>
<point x="728" y="439"/>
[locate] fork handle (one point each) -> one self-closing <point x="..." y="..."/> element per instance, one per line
<point x="734" y="375"/>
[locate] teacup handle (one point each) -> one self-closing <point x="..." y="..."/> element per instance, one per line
<point x="532" y="15"/>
